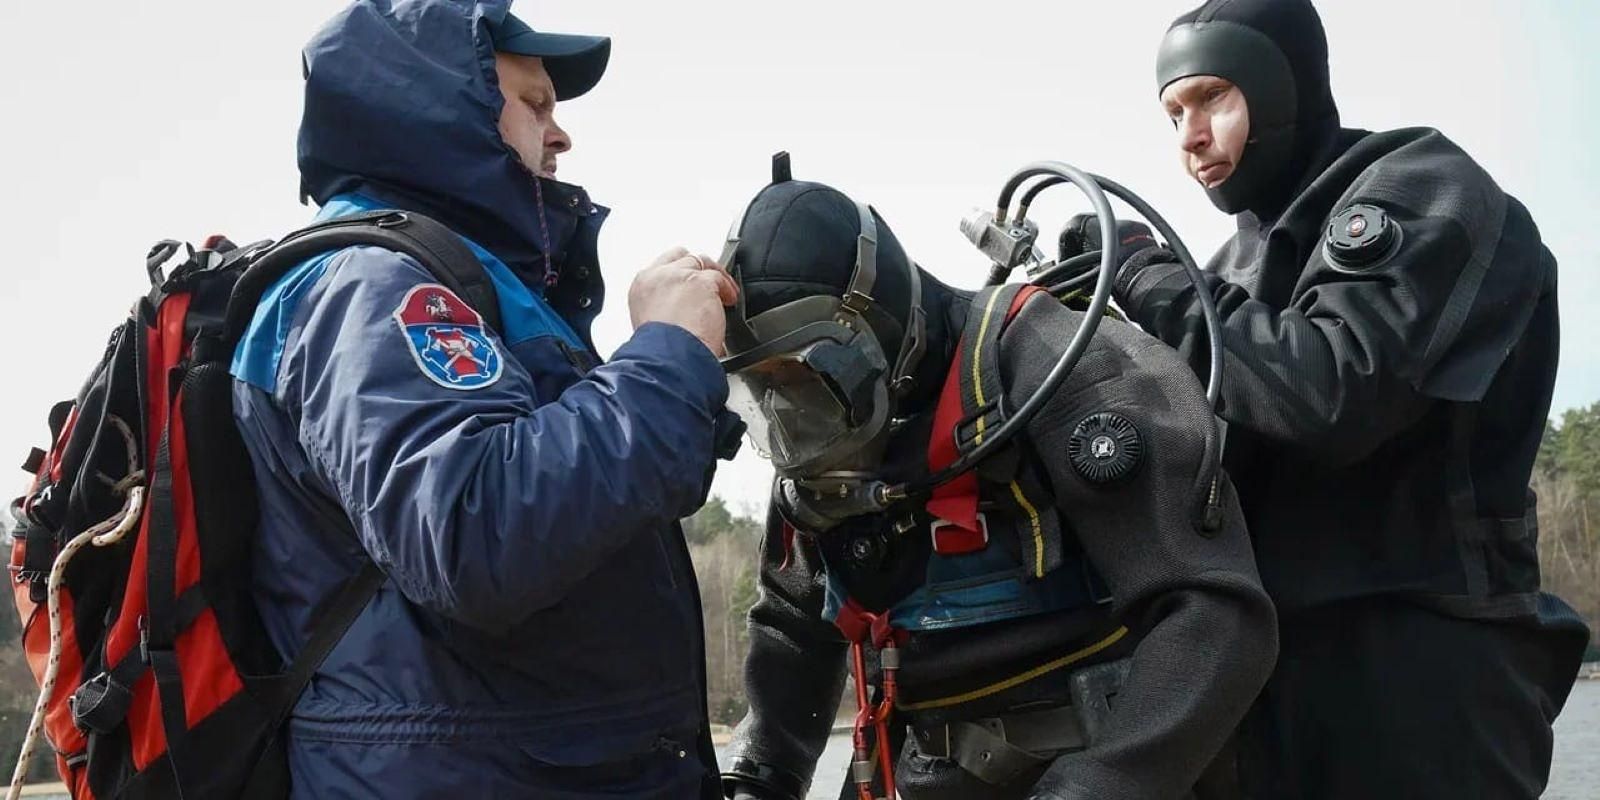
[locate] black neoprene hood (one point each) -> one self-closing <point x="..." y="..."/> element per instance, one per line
<point x="1276" y="52"/>
<point x="798" y="239"/>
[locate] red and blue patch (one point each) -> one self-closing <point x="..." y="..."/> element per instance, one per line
<point x="447" y="338"/>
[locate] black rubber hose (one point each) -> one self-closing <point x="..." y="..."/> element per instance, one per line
<point x="1071" y="285"/>
<point x="1071" y="267"/>
<point x="1109" y="261"/>
<point x="1208" y="311"/>
<point x="1208" y="305"/>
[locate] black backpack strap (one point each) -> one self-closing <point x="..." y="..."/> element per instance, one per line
<point x="436" y="247"/>
<point x="334" y="622"/>
<point x="982" y="393"/>
<point x="157" y="645"/>
<point x="1039" y="532"/>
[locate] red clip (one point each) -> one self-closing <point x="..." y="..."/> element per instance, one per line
<point x="860" y="626"/>
<point x="788" y="546"/>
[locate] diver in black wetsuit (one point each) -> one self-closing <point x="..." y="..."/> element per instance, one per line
<point x="1390" y="335"/>
<point x="1064" y="623"/>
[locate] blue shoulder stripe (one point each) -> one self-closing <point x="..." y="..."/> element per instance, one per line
<point x="256" y="359"/>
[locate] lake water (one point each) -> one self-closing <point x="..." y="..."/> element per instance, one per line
<point x="1574" y="773"/>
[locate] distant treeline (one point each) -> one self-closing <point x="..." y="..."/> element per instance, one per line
<point x="726" y="549"/>
<point x="1566" y="479"/>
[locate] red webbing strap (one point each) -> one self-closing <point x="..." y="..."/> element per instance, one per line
<point x="950" y="500"/>
<point x="956" y="502"/>
<point x="860" y="627"/>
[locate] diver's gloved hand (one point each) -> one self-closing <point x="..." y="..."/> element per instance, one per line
<point x="1139" y="248"/>
<point x="1082" y="234"/>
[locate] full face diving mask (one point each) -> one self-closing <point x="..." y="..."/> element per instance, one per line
<point x="810" y="377"/>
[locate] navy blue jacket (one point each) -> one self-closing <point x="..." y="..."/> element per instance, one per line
<point x="539" y="632"/>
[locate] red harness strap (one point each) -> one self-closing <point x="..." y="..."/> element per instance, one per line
<point x="788" y="545"/>
<point x="955" y="504"/>
<point x="861" y="626"/>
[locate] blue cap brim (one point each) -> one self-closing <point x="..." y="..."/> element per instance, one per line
<point x="575" y="62"/>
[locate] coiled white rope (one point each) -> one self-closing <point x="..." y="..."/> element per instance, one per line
<point x="107" y="532"/>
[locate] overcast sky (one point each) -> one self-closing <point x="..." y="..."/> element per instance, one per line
<point x="123" y="123"/>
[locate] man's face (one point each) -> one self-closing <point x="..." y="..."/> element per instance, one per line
<point x="528" y="121"/>
<point x="1213" y="124"/>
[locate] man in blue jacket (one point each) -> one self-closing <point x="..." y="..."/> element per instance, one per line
<point x="538" y="633"/>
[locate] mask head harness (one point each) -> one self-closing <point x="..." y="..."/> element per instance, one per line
<point x="811" y="377"/>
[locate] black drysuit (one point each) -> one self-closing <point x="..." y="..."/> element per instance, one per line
<point x="1390" y="335"/>
<point x="1383" y="422"/>
<point x="1200" y="626"/>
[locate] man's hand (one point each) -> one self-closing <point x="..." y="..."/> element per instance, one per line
<point x="1082" y="234"/>
<point x="685" y="290"/>
<point x="1137" y="249"/>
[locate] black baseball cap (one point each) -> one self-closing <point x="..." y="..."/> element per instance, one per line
<point x="575" y="62"/>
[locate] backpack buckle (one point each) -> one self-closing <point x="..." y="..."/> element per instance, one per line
<point x="21" y="574"/>
<point x="144" y="640"/>
<point x="950" y="539"/>
<point x="160" y="253"/>
<point x="970" y="430"/>
<point x="393" y="219"/>
<point x="38" y="558"/>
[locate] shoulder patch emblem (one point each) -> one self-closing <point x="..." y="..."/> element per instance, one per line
<point x="1360" y="237"/>
<point x="447" y="338"/>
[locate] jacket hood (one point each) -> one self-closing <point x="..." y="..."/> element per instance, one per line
<point x="403" y="104"/>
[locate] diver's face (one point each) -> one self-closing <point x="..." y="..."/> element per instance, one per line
<point x="528" y="118"/>
<point x="1213" y="125"/>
